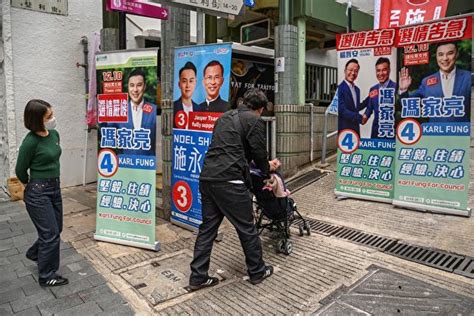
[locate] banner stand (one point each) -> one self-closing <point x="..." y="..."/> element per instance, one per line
<point x="432" y="209"/>
<point x="155" y="247"/>
<point x="346" y="195"/>
<point x="184" y="225"/>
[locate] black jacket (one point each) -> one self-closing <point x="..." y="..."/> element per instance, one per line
<point x="218" y="105"/>
<point x="225" y="157"/>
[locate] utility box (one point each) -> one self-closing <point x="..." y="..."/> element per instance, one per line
<point x="257" y="32"/>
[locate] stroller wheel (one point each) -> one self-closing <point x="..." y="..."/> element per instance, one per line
<point x="281" y="246"/>
<point x="288" y="247"/>
<point x="301" y="229"/>
<point x="308" y="230"/>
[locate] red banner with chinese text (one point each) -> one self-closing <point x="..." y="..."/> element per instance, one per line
<point x="396" y="13"/>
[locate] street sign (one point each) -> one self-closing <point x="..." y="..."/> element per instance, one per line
<point x="46" y="6"/>
<point x="213" y="7"/>
<point x="138" y="7"/>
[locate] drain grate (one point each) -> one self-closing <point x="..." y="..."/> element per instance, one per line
<point x="371" y="240"/>
<point x="432" y="257"/>
<point x="435" y="258"/>
<point x="318" y="226"/>
<point x="466" y="268"/>
<point x="304" y="180"/>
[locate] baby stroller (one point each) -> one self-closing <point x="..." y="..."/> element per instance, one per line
<point x="275" y="213"/>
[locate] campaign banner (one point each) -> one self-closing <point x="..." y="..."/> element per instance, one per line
<point x="433" y="117"/>
<point x="201" y="95"/>
<point x="396" y="13"/>
<point x="365" y="107"/>
<point x="126" y="182"/>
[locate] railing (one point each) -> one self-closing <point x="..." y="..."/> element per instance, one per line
<point x="270" y="130"/>
<point x="321" y="83"/>
<point x="326" y="136"/>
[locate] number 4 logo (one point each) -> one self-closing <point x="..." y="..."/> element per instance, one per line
<point x="107" y="163"/>
<point x="348" y="141"/>
<point x="409" y="131"/>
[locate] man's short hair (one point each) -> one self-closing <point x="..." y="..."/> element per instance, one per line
<point x="188" y="66"/>
<point x="382" y="60"/>
<point x="255" y="99"/>
<point x="137" y="72"/>
<point x="214" y="63"/>
<point x="353" y="60"/>
<point x="34" y="114"/>
<point x="446" y="43"/>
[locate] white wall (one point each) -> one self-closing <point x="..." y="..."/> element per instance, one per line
<point x="46" y="48"/>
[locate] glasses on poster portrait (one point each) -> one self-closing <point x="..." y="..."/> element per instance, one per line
<point x="213" y="78"/>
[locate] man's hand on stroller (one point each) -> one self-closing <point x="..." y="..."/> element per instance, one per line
<point x="274" y="164"/>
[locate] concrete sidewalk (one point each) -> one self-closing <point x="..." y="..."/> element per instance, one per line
<point x="326" y="275"/>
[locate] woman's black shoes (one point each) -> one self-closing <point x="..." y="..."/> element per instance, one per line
<point x="55" y="281"/>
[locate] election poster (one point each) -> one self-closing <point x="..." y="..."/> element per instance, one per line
<point x="201" y="95"/>
<point x="433" y="116"/>
<point x="126" y="182"/>
<point x="396" y="13"/>
<point x="366" y="107"/>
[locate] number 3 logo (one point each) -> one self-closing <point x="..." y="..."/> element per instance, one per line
<point x="181" y="119"/>
<point x="182" y="196"/>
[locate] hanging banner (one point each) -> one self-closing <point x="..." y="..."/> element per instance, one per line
<point x="433" y="121"/>
<point x="396" y="13"/>
<point x="366" y="107"/>
<point x="126" y="182"/>
<point x="201" y="94"/>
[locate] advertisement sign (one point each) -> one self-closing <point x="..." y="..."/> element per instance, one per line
<point x="126" y="182"/>
<point x="248" y="74"/>
<point x="433" y="121"/>
<point x="201" y="94"/>
<point x="366" y="107"/>
<point x="395" y="13"/>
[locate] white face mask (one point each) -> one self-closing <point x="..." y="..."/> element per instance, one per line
<point x="51" y="124"/>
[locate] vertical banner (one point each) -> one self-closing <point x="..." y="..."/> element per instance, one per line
<point x="201" y="95"/>
<point x="433" y="121"/>
<point x="366" y="107"/>
<point x="126" y="183"/>
<point x="395" y="13"/>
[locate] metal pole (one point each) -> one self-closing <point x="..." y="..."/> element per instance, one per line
<point x="122" y="30"/>
<point x="349" y="16"/>
<point x="325" y="131"/>
<point x="311" y="130"/>
<point x="274" y="136"/>
<point x="85" y="50"/>
<point x="199" y="27"/>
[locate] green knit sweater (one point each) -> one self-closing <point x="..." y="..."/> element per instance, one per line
<point x="40" y="155"/>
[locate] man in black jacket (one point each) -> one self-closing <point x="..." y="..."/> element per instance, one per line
<point x="238" y="138"/>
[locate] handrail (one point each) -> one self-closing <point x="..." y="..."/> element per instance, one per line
<point x="326" y="136"/>
<point x="270" y="131"/>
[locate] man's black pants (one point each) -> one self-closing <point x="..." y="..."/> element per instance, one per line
<point x="234" y="202"/>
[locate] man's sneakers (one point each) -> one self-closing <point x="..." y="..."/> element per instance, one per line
<point x="55" y="281"/>
<point x="268" y="272"/>
<point x="211" y="281"/>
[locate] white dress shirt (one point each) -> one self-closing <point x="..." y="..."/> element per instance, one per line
<point x="353" y="92"/>
<point x="447" y="82"/>
<point x="137" y="114"/>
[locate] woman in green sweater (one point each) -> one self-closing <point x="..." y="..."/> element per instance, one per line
<point x="39" y="153"/>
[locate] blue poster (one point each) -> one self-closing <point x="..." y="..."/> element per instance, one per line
<point x="201" y="95"/>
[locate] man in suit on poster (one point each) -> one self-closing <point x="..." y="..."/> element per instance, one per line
<point x="449" y="81"/>
<point x="349" y="99"/>
<point x="213" y="81"/>
<point x="187" y="84"/>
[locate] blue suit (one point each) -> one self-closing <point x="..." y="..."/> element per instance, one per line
<point x="148" y="123"/>
<point x="178" y="106"/>
<point x="349" y="117"/>
<point x="431" y="87"/>
<point x="372" y="104"/>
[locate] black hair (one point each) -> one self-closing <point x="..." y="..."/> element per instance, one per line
<point x="137" y="72"/>
<point x="189" y="65"/>
<point x="214" y="63"/>
<point x="255" y="99"/>
<point x="353" y="60"/>
<point x="447" y="43"/>
<point x="33" y="116"/>
<point x="382" y="60"/>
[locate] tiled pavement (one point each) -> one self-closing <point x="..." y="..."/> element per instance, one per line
<point x="104" y="277"/>
<point x="20" y="294"/>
